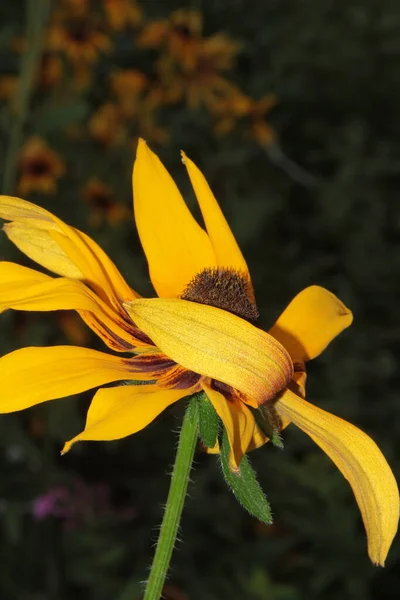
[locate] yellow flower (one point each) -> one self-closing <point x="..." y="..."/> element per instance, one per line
<point x="39" y="168"/>
<point x="199" y="334"/>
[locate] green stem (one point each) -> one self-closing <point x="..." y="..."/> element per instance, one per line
<point x="36" y="17"/>
<point x="175" y="502"/>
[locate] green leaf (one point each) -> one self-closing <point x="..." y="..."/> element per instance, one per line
<point x="245" y="486"/>
<point x="208" y="421"/>
<point x="58" y="118"/>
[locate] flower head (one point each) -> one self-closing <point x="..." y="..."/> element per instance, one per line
<point x="200" y="334"/>
<point x="39" y="167"/>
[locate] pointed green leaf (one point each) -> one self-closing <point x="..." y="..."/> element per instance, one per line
<point x="245" y="486"/>
<point x="208" y="421"/>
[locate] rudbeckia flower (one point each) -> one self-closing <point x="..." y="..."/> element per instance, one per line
<point x="199" y="335"/>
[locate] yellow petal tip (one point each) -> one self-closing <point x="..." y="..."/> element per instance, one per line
<point x="67" y="448"/>
<point x="183" y="157"/>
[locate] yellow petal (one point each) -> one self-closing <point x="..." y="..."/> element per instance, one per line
<point x="216" y="344"/>
<point x="62" y="249"/>
<point x="310" y="322"/>
<point x="22" y="288"/>
<point x="176" y="247"/>
<point x="33" y="375"/>
<point x="226" y="249"/>
<point x="238" y="421"/>
<point x="118" y="412"/>
<point x="362" y="464"/>
<point x="42" y="249"/>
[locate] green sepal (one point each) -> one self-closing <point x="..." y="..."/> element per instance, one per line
<point x="269" y="422"/>
<point x="208" y="420"/>
<point x="244" y="485"/>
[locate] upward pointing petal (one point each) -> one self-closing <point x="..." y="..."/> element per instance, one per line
<point x="226" y="249"/>
<point x="362" y="464"/>
<point x="176" y="247"/>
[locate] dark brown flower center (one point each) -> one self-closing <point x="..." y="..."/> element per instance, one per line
<point x="38" y="167"/>
<point x="223" y="288"/>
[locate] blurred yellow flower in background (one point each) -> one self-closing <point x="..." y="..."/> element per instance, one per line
<point x="241" y="109"/>
<point x="189" y="66"/>
<point x="123" y="13"/>
<point x="103" y="204"/>
<point x="39" y="167"/>
<point x="198" y="335"/>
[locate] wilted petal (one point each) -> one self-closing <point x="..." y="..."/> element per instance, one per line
<point x="62" y="249"/>
<point x="310" y="322"/>
<point x="362" y="464"/>
<point x="33" y="375"/>
<point x="120" y="411"/>
<point x="238" y="421"/>
<point x="227" y="251"/>
<point x="176" y="247"/>
<point x="216" y="344"/>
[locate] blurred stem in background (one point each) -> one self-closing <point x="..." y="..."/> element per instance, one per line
<point x="36" y="18"/>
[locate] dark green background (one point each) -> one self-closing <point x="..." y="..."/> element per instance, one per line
<point x="335" y="67"/>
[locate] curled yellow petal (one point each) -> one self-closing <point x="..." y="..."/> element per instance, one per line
<point x="310" y="322"/>
<point x="176" y="247"/>
<point x="42" y="248"/>
<point x="62" y="249"/>
<point x="216" y="344"/>
<point x="120" y="411"/>
<point x="362" y="464"/>
<point x="227" y="251"/>
<point x="33" y="375"/>
<point x="238" y="421"/>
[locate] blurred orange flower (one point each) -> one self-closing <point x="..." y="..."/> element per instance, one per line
<point x="77" y="34"/>
<point x="190" y="65"/>
<point x="122" y="13"/>
<point x="107" y="126"/>
<point x="103" y="204"/>
<point x="8" y="86"/>
<point x="128" y="87"/>
<point x="51" y="70"/>
<point x="239" y="108"/>
<point x="182" y="23"/>
<point x="39" y="167"/>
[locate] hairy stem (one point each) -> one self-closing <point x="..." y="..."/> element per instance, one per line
<point x="175" y="502"/>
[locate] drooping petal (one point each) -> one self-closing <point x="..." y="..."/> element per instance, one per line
<point x="362" y="464"/>
<point x="226" y="249"/>
<point x="33" y="375"/>
<point x="176" y="247"/>
<point x="120" y="411"/>
<point x="42" y="248"/>
<point x="310" y="322"/>
<point x="238" y="421"/>
<point x="216" y="344"/>
<point x="22" y="288"/>
<point x="62" y="249"/>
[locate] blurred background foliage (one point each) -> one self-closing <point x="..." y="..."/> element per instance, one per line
<point x="291" y="109"/>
